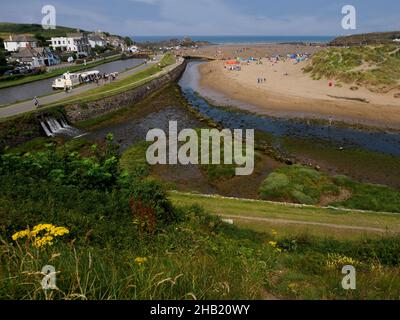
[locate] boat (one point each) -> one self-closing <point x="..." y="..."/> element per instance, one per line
<point x="89" y="76"/>
<point x="67" y="80"/>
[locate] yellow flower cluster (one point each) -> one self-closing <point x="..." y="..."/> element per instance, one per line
<point x="139" y="261"/>
<point x="274" y="245"/>
<point x="336" y="260"/>
<point x="41" y="235"/>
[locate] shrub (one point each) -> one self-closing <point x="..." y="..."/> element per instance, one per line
<point x="297" y="184"/>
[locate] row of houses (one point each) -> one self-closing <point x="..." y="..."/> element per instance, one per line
<point x="25" y="50"/>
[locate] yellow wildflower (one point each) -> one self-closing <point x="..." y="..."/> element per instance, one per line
<point x="139" y="261"/>
<point x="336" y="260"/>
<point x="273" y="244"/>
<point x="20" y="235"/>
<point x="47" y="234"/>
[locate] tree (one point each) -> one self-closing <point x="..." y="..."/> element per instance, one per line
<point x="3" y="61"/>
<point x="128" y="41"/>
<point x="41" y="40"/>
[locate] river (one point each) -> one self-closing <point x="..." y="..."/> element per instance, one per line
<point x="378" y="141"/>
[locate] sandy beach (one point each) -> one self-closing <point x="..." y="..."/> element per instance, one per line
<point x="287" y="91"/>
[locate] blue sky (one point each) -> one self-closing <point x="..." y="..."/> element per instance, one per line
<point x="209" y="17"/>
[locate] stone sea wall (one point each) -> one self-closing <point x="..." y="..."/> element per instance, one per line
<point x="80" y="112"/>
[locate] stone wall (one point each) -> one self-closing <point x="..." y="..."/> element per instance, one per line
<point x="85" y="111"/>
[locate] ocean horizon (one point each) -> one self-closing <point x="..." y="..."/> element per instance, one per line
<point x="239" y="39"/>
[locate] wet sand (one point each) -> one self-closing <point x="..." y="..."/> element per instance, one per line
<point x="289" y="92"/>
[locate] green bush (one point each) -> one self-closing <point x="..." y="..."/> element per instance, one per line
<point x="297" y="184"/>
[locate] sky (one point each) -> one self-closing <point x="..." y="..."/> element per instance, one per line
<point x="209" y="17"/>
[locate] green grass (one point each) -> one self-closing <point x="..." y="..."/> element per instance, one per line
<point x="297" y="184"/>
<point x="189" y="254"/>
<point x="133" y="160"/>
<point x="24" y="28"/>
<point x="304" y="185"/>
<point x="376" y="67"/>
<point x="281" y="212"/>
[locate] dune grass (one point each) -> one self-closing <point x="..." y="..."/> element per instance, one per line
<point x="376" y="67"/>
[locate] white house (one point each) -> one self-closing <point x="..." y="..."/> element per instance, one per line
<point x="133" y="49"/>
<point x="74" y="42"/>
<point x="96" y="40"/>
<point x="15" y="42"/>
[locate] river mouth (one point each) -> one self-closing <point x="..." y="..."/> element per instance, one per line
<point x="342" y="137"/>
<point x="365" y="156"/>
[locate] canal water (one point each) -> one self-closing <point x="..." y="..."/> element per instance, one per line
<point x="43" y="87"/>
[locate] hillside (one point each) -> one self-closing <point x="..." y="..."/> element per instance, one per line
<point x="366" y="38"/>
<point x="33" y="29"/>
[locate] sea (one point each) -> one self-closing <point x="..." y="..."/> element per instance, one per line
<point x="239" y="39"/>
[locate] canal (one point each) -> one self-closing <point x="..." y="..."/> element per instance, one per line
<point x="43" y="87"/>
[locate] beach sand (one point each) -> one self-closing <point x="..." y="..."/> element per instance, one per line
<point x="289" y="92"/>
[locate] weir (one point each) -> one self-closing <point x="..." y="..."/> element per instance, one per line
<point x="59" y="127"/>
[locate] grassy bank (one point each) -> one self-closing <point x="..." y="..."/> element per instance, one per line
<point x="288" y="219"/>
<point x="110" y="235"/>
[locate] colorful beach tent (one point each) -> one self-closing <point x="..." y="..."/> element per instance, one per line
<point x="231" y="62"/>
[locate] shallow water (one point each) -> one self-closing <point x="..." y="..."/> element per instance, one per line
<point x="43" y="87"/>
<point x="134" y="130"/>
<point x="378" y="141"/>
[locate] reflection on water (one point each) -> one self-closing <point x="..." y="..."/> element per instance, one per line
<point x="378" y="141"/>
<point x="43" y="87"/>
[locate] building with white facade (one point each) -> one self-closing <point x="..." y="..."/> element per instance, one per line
<point x="15" y="42"/>
<point x="73" y="42"/>
<point x="96" y="40"/>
